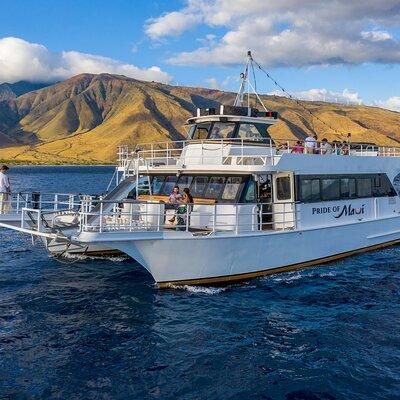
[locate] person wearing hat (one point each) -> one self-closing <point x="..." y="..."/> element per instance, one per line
<point x="5" y="190"/>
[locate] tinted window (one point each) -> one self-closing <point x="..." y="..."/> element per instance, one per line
<point x="198" y="185"/>
<point x="184" y="181"/>
<point x="330" y="189"/>
<point x="200" y="131"/>
<point x="382" y="186"/>
<point x="396" y="183"/>
<point x="169" y="184"/>
<point x="283" y="191"/>
<point x="364" y="187"/>
<point x="250" y="196"/>
<point x="310" y="190"/>
<point x="250" y="132"/>
<point x="232" y="187"/>
<point x="215" y="185"/>
<point x="222" y="130"/>
<point x="156" y="184"/>
<point x="347" y="188"/>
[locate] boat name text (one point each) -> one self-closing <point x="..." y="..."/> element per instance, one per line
<point x="340" y="211"/>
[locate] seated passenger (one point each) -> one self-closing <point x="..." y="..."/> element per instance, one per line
<point x="298" y="147"/>
<point x="173" y="201"/>
<point x="175" y="197"/>
<point x="326" y="147"/>
<point x="184" y="209"/>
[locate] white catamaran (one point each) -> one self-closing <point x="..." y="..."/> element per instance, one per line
<point x="257" y="209"/>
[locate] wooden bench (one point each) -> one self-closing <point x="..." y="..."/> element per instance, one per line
<point x="165" y="199"/>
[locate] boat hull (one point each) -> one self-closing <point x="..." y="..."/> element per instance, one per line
<point x="221" y="258"/>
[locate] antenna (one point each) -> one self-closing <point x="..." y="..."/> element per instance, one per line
<point x="243" y="83"/>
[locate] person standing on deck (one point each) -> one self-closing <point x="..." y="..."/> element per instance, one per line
<point x="5" y="190"/>
<point x="310" y="143"/>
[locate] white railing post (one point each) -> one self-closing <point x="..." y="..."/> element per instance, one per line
<point x="236" y="220"/>
<point x="215" y="217"/>
<point x="101" y="218"/>
<point x="187" y="217"/>
<point x="55" y="205"/>
<point x="159" y="218"/>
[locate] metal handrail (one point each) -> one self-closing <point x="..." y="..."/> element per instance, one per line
<point x="151" y="216"/>
<point x="171" y="153"/>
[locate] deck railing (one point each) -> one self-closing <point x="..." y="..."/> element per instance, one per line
<point x="15" y="202"/>
<point x="140" y="216"/>
<point x="235" y="151"/>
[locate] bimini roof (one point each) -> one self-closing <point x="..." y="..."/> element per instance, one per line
<point x="234" y="114"/>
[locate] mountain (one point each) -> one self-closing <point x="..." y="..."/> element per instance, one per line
<point x="9" y="91"/>
<point x="85" y="118"/>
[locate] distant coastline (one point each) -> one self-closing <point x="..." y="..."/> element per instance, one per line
<point x="24" y="163"/>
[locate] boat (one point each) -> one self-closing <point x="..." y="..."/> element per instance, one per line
<point x="258" y="207"/>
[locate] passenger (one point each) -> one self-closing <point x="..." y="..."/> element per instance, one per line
<point x="282" y="148"/>
<point x="298" y="147"/>
<point x="326" y="147"/>
<point x="175" y="197"/>
<point x="5" y="190"/>
<point x="173" y="201"/>
<point x="345" y="148"/>
<point x="338" y="148"/>
<point x="184" y="209"/>
<point x="310" y="143"/>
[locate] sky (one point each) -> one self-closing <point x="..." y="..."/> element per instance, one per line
<point x="341" y="50"/>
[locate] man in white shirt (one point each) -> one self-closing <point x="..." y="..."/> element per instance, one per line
<point x="5" y="190"/>
<point x="326" y="147"/>
<point x="310" y="143"/>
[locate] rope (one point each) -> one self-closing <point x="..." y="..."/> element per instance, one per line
<point x="295" y="100"/>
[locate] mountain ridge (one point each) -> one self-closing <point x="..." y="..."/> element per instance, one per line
<point x="85" y="118"/>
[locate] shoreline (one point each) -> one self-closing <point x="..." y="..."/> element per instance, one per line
<point x="24" y="164"/>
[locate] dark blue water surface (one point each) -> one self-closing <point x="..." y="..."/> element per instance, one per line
<point x="99" y="329"/>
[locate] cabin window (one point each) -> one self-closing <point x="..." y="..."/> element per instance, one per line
<point x="200" y="131"/>
<point x="347" y="188"/>
<point x="310" y="190"/>
<point x="283" y="191"/>
<point x="251" y="195"/>
<point x="250" y="132"/>
<point x="184" y="181"/>
<point x="157" y="183"/>
<point x="169" y="184"/>
<point x="364" y="187"/>
<point x="382" y="186"/>
<point x="330" y="189"/>
<point x="198" y="185"/>
<point x="232" y="187"/>
<point x="222" y="130"/>
<point x="396" y="183"/>
<point x="215" y="186"/>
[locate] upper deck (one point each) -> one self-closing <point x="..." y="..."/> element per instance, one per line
<point x="231" y="138"/>
<point x="225" y="154"/>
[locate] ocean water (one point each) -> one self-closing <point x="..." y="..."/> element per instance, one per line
<point x="99" y="329"/>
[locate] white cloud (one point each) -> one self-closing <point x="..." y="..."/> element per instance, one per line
<point x="376" y="36"/>
<point x="287" y="32"/>
<point x="171" y="24"/>
<point x="22" y="60"/>
<point x="346" y="96"/>
<point x="212" y="83"/>
<point x="392" y="103"/>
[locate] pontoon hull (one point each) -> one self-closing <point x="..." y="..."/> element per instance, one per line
<point x="217" y="259"/>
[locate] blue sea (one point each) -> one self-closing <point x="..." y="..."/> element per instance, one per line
<point x="99" y="329"/>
